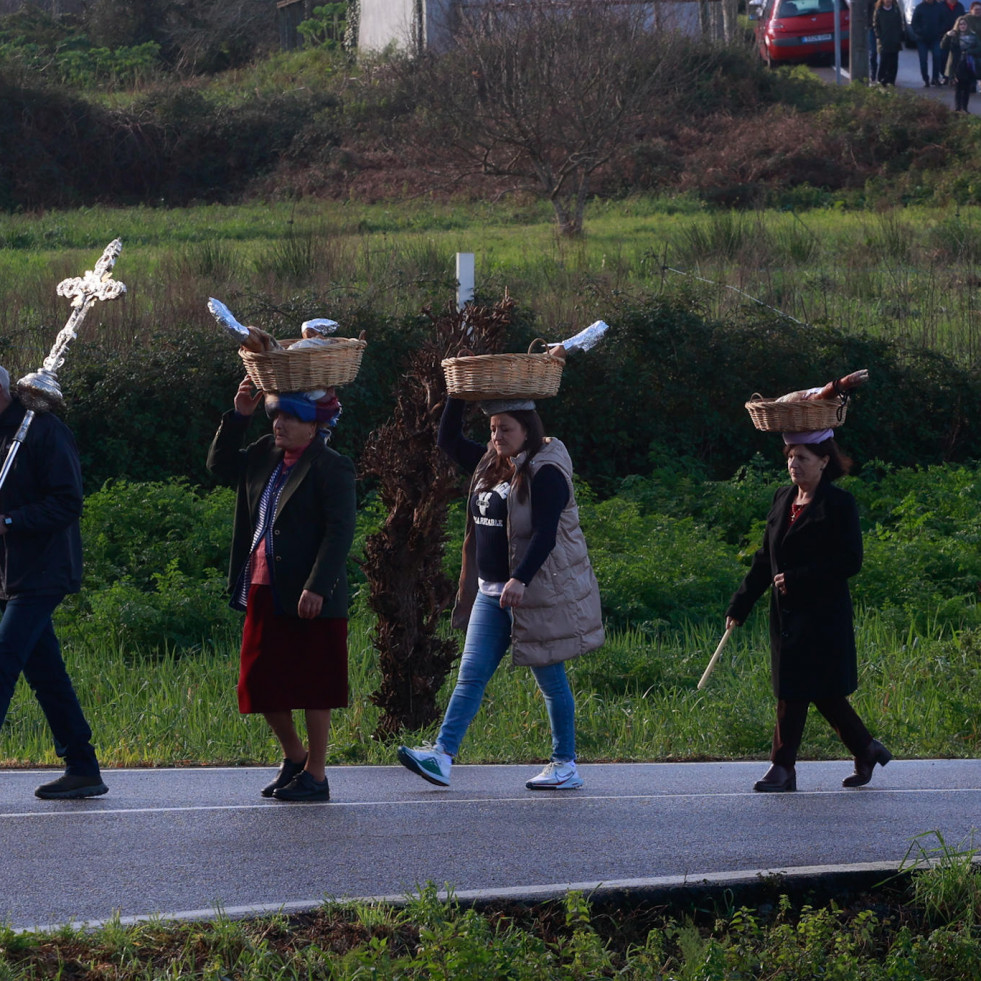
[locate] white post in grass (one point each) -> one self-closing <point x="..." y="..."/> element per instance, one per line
<point x="464" y="279"/>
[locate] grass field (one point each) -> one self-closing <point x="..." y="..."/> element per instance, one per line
<point x="911" y="274"/>
<point x="636" y="701"/>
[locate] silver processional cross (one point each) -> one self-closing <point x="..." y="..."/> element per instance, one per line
<point x="39" y="391"/>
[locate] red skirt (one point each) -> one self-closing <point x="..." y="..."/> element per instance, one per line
<point x="288" y="663"/>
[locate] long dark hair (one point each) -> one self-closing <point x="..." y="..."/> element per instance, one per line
<point x="493" y="470"/>
<point x="838" y="463"/>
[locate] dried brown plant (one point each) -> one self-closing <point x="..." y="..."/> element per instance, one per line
<point x="403" y="562"/>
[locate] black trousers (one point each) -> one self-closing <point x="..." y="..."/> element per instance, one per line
<point x="963" y="87"/>
<point x="792" y="714"/>
<point x="888" y="67"/>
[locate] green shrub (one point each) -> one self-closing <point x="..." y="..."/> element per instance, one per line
<point x="156" y="556"/>
<point x="654" y="569"/>
<point x="178" y="613"/>
<point x="922" y="540"/>
<point x="669" y="384"/>
<point x="149" y="412"/>
<point x="155" y="567"/>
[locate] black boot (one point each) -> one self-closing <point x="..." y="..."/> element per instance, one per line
<point x="777" y="780"/>
<point x="865" y="764"/>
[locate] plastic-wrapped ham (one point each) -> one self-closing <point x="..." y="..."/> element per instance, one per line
<point x="251" y="338"/>
<point x="834" y="388"/>
<point x="586" y="338"/>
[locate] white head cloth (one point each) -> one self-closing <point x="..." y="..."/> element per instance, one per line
<point x="814" y="436"/>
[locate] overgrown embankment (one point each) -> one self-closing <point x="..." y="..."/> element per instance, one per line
<point x="313" y="123"/>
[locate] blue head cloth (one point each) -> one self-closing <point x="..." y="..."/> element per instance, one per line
<point x="324" y="410"/>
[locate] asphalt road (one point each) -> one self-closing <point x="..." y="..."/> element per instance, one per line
<point x="908" y="77"/>
<point x="183" y="843"/>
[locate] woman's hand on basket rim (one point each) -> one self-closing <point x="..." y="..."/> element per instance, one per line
<point x="245" y="402"/>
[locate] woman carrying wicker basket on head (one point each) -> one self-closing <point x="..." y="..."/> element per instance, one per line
<point x="526" y="582"/>
<point x="811" y="547"/>
<point x="294" y="524"/>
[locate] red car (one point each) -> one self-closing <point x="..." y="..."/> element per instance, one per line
<point x="799" y="30"/>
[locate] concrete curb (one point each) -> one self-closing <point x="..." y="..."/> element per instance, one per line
<point x="815" y="883"/>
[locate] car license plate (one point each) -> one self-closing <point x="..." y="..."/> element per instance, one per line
<point x="815" y="38"/>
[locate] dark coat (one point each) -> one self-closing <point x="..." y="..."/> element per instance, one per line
<point x="949" y="15"/>
<point x="889" y="28"/>
<point x="812" y="638"/>
<point x="41" y="553"/>
<point x="928" y="21"/>
<point x="313" y="527"/>
<point x="958" y="67"/>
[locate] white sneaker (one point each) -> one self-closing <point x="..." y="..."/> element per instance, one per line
<point x="430" y="762"/>
<point x="556" y="776"/>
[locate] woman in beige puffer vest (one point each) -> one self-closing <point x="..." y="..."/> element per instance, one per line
<point x="526" y="582"/>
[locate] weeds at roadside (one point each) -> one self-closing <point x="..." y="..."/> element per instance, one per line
<point x="873" y="935"/>
<point x="946" y="881"/>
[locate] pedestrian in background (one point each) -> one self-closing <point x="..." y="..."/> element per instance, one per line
<point x="873" y="46"/>
<point x="887" y="22"/>
<point x="963" y="61"/>
<point x="973" y="16"/>
<point x="927" y="30"/>
<point x="949" y="13"/>
<point x="40" y="563"/>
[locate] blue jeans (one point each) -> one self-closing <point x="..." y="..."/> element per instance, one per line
<point x="932" y="49"/>
<point x="488" y="638"/>
<point x="28" y="644"/>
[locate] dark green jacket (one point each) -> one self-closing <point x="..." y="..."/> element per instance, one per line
<point x="314" y="524"/>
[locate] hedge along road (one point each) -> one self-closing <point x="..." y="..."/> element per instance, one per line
<point x="185" y="843"/>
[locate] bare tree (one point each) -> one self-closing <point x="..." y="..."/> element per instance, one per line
<point x="542" y="92"/>
<point x="213" y="36"/>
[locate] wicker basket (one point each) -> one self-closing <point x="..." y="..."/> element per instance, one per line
<point x="307" y="369"/>
<point x="799" y="416"/>
<point x="475" y="378"/>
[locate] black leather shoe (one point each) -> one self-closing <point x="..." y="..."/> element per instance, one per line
<point x="864" y="765"/>
<point x="288" y="771"/>
<point x="72" y="787"/>
<point x="777" y="780"/>
<point x="304" y="787"/>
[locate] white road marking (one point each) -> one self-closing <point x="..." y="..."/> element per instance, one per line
<point x="542" y="797"/>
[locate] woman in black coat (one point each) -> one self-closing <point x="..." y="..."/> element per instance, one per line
<point x="811" y="547"/>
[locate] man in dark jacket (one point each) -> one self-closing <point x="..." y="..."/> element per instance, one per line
<point x="927" y="29"/>
<point x="41" y="562"/>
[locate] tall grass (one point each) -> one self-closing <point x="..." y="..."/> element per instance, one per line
<point x="910" y="274"/>
<point x="918" y="693"/>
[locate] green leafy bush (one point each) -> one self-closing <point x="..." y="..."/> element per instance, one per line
<point x="654" y="569"/>
<point x="670" y="385"/>
<point x="156" y="564"/>
<point x="922" y="543"/>
<point x="156" y="556"/>
<point x="149" y="412"/>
